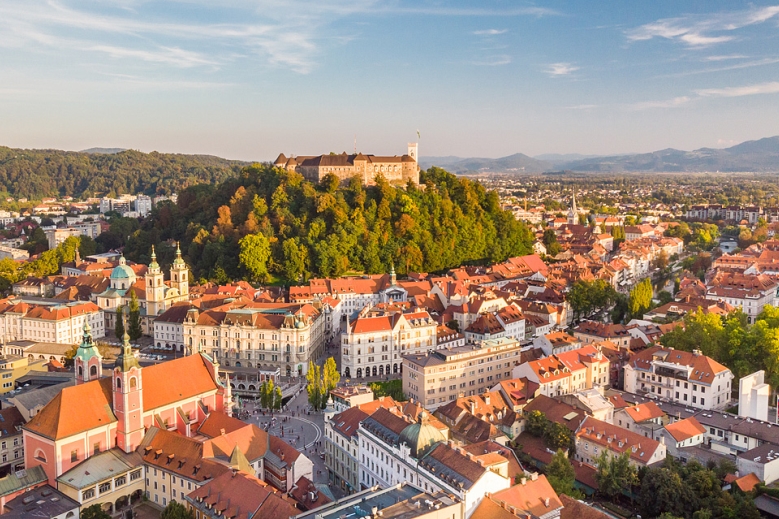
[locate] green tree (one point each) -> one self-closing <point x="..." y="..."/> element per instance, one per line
<point x="294" y="260"/>
<point x="176" y="510"/>
<point x="278" y="399"/>
<point x="550" y="242"/>
<point x="315" y="387"/>
<point x="95" y="512"/>
<point x="254" y="255"/>
<point x="561" y="475"/>
<point x="135" y="331"/>
<point x="640" y="299"/>
<point x="662" y="491"/>
<point x="330" y="375"/>
<point x="119" y="327"/>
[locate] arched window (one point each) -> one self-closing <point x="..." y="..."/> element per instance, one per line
<point x="118" y="382"/>
<point x="93" y="371"/>
<point x="80" y="371"/>
<point x="133" y="382"/>
<point x="40" y="456"/>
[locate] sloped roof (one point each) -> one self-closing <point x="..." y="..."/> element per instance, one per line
<point x="685" y="429"/>
<point x="531" y="496"/>
<point x="75" y="409"/>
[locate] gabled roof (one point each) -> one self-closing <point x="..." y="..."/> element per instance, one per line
<point x="74" y="410"/>
<point x="682" y="430"/>
<point x="83" y="407"/>
<point x="175" y="453"/>
<point x="535" y="496"/>
<point x="644" y="412"/>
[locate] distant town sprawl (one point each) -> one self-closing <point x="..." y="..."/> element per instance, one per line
<point x="631" y="349"/>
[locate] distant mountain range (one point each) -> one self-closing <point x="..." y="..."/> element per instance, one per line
<point x="759" y="156"/>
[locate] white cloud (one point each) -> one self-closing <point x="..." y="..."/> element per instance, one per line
<point x="560" y="69"/>
<point x="740" y="91"/>
<point x="667" y="103"/>
<point x="701" y="31"/>
<point x="724" y="57"/>
<point x="490" y="32"/>
<point x="170" y="56"/>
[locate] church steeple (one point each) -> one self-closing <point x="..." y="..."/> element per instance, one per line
<point x="393" y="278"/>
<point x="179" y="273"/>
<point x="573" y="213"/>
<point x="126" y="360"/>
<point x="88" y="361"/>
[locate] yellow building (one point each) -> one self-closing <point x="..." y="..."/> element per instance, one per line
<point x="13" y="367"/>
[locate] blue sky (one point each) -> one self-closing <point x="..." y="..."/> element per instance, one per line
<point x="248" y="79"/>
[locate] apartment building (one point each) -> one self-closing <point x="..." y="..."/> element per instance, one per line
<point x="750" y="292"/>
<point x="567" y="372"/>
<point x="374" y="344"/>
<point x="687" y="378"/>
<point x="591" y="331"/>
<point x="437" y="377"/>
<point x="393" y="451"/>
<point x="60" y="323"/>
<point x="556" y="342"/>
<point x="595" y="437"/>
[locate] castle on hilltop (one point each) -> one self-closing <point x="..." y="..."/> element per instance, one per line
<point x="396" y="169"/>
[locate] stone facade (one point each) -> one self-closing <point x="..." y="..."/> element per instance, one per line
<point x="396" y="169"/>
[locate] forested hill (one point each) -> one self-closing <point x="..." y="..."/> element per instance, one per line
<point x="38" y="173"/>
<point x="269" y="224"/>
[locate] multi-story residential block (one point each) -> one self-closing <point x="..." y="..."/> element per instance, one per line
<point x="595" y="437"/>
<point x="367" y="167"/>
<point x="557" y="342"/>
<point x="645" y="418"/>
<point x="591" y="331"/>
<point x="60" y="323"/>
<point x="268" y="336"/>
<point x="478" y="418"/>
<point x="691" y="379"/>
<point x="375" y="344"/>
<point x="392" y="451"/>
<point x="34" y="287"/>
<point x="143" y="204"/>
<point x="506" y="322"/>
<point x="11" y="441"/>
<point x="342" y="449"/>
<point x="439" y="376"/>
<point x="750" y="292"/>
<point x="345" y="397"/>
<point x="567" y="372"/>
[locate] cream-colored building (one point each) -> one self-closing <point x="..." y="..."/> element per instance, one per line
<point x="13" y="367"/>
<point x="373" y="344"/>
<point x="437" y="377"/>
<point x="60" y="323"/>
<point x="265" y="336"/>
<point x="396" y="169"/>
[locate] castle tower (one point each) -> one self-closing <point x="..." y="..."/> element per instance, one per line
<point x="413" y="151"/>
<point x="155" y="287"/>
<point x="128" y="398"/>
<point x="179" y="274"/>
<point x="88" y="361"/>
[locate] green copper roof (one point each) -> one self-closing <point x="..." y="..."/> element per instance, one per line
<point x="420" y="436"/>
<point x="178" y="260"/>
<point x="87" y="349"/>
<point x="122" y="271"/>
<point x="153" y="264"/>
<point x="126" y="360"/>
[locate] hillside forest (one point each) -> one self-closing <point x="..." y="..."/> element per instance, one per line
<point x="271" y="225"/>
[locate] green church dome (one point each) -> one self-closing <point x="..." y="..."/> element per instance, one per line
<point x="420" y="436"/>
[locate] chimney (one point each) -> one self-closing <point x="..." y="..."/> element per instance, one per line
<point x="473" y="407"/>
<point x="487" y="399"/>
<point x="523" y="481"/>
<point x="546" y="502"/>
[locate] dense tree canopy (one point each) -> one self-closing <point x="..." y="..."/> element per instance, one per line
<point x="327" y="230"/>
<point x="39" y="173"/>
